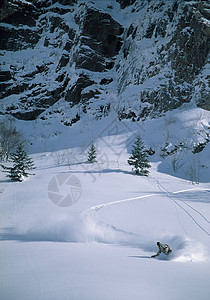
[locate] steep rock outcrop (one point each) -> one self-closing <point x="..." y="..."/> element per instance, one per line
<point x="100" y="39"/>
<point x="125" y="3"/>
<point x="143" y="59"/>
<point x="174" y="49"/>
<point x="75" y="43"/>
<point x="23" y="34"/>
<point x="18" y="12"/>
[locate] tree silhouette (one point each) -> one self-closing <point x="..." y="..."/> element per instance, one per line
<point x="22" y="163"/>
<point x="138" y="159"/>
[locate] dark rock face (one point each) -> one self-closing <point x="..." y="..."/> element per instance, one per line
<point x="192" y="42"/>
<point x="100" y="39"/>
<point x="5" y="76"/>
<point x="28" y="115"/>
<point x="14" y="37"/>
<point x="180" y="60"/>
<point x="65" y="2"/>
<point x="15" y="90"/>
<point x="74" y="94"/>
<point x="18" y="13"/>
<point x="48" y="3"/>
<point x="103" y="31"/>
<point x="93" y="48"/>
<point x="17" y="39"/>
<point x="204" y="97"/>
<point x="125" y="3"/>
<point x="61" y="50"/>
<point x="188" y="54"/>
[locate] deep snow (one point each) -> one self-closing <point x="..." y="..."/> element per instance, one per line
<point x="100" y="247"/>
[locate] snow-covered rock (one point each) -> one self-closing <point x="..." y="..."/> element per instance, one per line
<point x="140" y="58"/>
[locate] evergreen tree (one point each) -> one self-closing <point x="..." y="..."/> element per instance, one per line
<point x="138" y="159"/>
<point x="10" y="137"/>
<point x="92" y="154"/>
<point x="21" y="164"/>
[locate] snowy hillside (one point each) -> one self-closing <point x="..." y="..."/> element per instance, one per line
<point x="86" y="231"/>
<point x="78" y="72"/>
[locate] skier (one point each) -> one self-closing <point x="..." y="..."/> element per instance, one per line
<point x="162" y="248"/>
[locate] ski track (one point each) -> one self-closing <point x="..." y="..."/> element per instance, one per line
<point x="175" y="201"/>
<point x="104" y="205"/>
<point x="179" y="243"/>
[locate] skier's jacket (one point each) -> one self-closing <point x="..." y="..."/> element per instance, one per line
<point x="163" y="248"/>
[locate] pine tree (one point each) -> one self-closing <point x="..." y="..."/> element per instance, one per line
<point x="10" y="137"/>
<point x="92" y="154"/>
<point x="21" y="164"/>
<point x="138" y="159"/>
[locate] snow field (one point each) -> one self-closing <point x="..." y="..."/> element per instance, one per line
<point x="100" y="247"/>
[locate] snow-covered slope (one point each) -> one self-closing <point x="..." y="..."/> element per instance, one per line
<point x="93" y="239"/>
<point x="179" y="140"/>
<point x="77" y="72"/>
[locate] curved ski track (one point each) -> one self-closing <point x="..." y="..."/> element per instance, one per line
<point x="169" y="195"/>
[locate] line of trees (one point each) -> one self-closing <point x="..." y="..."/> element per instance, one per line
<point x="138" y="159"/>
<point x="12" y="150"/>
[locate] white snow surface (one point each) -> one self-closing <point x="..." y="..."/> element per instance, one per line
<point x="100" y="247"/>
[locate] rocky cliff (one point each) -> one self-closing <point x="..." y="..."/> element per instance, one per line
<point x="140" y="58"/>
